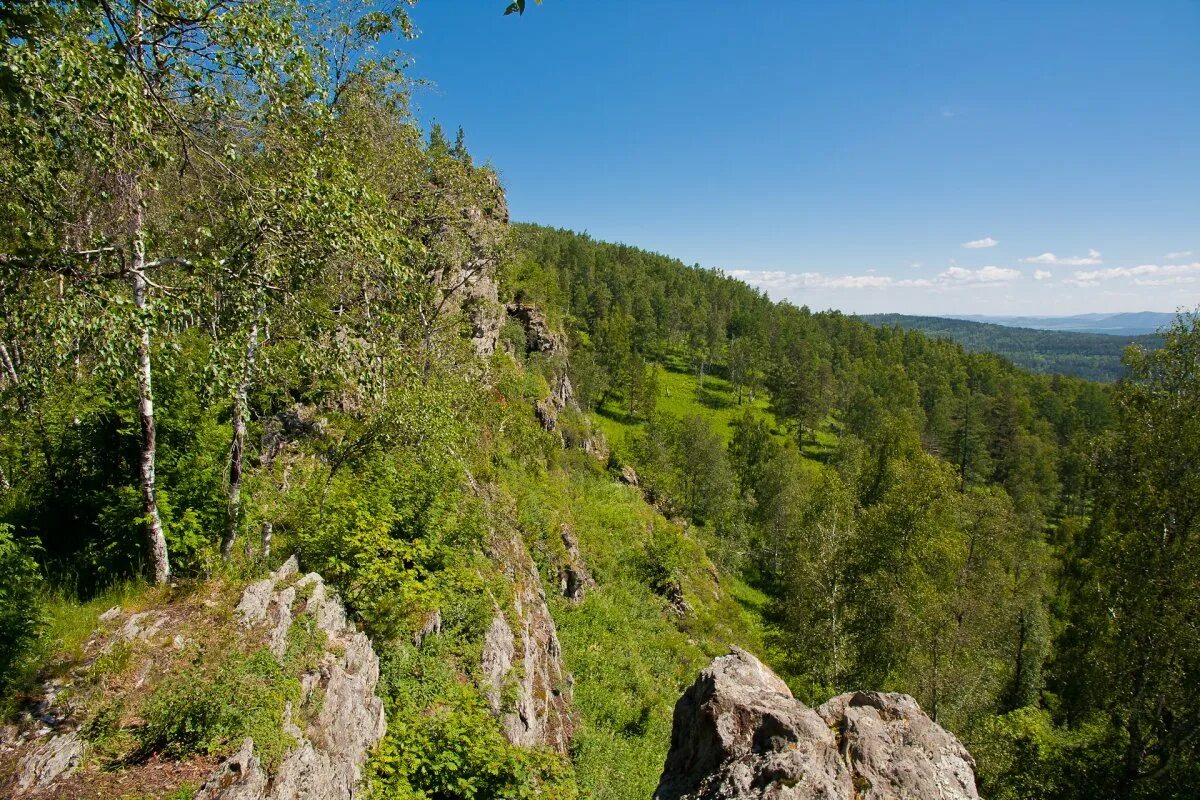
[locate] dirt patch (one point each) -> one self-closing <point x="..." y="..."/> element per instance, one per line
<point x="155" y="778"/>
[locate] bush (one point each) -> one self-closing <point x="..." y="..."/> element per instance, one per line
<point x="210" y="711"/>
<point x="443" y="741"/>
<point x="21" y="613"/>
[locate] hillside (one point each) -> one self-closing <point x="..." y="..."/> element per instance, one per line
<point x="1094" y="356"/>
<point x="279" y="380"/>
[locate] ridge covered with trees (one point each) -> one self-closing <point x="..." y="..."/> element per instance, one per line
<point x="249" y="308"/>
<point x="1095" y="356"/>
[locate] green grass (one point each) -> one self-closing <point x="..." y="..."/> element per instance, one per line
<point x="631" y="656"/>
<point x="67" y="626"/>
<point x="681" y="394"/>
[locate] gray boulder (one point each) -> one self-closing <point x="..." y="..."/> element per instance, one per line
<point x="739" y="733"/>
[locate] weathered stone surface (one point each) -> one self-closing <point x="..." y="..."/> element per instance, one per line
<point x="561" y="397"/>
<point x="539" y="336"/>
<point x="56" y="758"/>
<point x="326" y="764"/>
<point x="240" y="777"/>
<point x="574" y="579"/>
<point x="629" y="476"/>
<point x="895" y="750"/>
<point x="431" y="627"/>
<point x="144" y="625"/>
<point x="739" y="733"/>
<point x="524" y="653"/>
<point x="470" y="244"/>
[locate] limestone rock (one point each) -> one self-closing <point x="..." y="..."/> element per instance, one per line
<point x="539" y="336"/>
<point x="471" y="242"/>
<point x="895" y="750"/>
<point x="525" y="655"/>
<point x="629" y="476"/>
<point x="561" y="397"/>
<point x="739" y="733"/>
<point x="326" y="763"/>
<point x="240" y="777"/>
<point x="431" y="627"/>
<point x="56" y="758"/>
<point x="574" y="580"/>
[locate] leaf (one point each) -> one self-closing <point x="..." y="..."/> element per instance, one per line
<point x="517" y="6"/>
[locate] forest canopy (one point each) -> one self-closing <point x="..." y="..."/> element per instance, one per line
<point x="248" y="306"/>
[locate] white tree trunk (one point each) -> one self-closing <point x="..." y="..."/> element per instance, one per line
<point x="156" y="541"/>
<point x="238" y="446"/>
<point x="10" y="369"/>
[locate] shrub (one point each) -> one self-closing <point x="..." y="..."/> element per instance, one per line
<point x="21" y="613"/>
<point x="210" y="711"/>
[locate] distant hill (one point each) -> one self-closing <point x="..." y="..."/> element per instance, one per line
<point x="1135" y="323"/>
<point x="1095" y="356"/>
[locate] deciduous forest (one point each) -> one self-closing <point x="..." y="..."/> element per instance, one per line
<point x="249" y="308"/>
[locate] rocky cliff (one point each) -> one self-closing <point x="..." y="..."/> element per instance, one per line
<point x="739" y="733"/>
<point x="153" y="668"/>
<point x="526" y="683"/>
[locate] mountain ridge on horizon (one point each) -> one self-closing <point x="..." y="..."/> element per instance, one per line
<point x="1121" y="323"/>
<point x="1084" y="354"/>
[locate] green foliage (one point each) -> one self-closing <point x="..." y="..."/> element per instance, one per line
<point x="1131" y="645"/>
<point x="210" y="711"/>
<point x="443" y="740"/>
<point x="21" y="614"/>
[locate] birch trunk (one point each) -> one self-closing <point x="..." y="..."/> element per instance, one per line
<point x="10" y="369"/>
<point x="237" y="447"/>
<point x="156" y="541"/>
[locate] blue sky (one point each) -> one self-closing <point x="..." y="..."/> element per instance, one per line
<point x="844" y="154"/>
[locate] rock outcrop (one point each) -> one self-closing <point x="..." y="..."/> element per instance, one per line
<point x="56" y="757"/>
<point x="574" y="579"/>
<point x="739" y="733"/>
<point x="526" y="683"/>
<point x="326" y="763"/>
<point x="470" y="243"/>
<point x="52" y="752"/>
<point x="541" y="338"/>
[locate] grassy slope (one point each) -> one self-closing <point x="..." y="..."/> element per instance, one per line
<point x="680" y="395"/>
<point x="631" y="656"/>
<point x="630" y="653"/>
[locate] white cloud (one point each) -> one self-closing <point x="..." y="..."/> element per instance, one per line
<point x="954" y="276"/>
<point x="979" y="244"/>
<point x="1091" y="259"/>
<point x="1141" y="275"/>
<point x="1042" y="275"/>
<point x="981" y="275"/>
<point x="1178" y="254"/>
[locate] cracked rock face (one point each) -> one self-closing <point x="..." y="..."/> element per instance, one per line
<point x="326" y="762"/>
<point x="525" y="681"/>
<point x="57" y="757"/>
<point x="574" y="579"/>
<point x="739" y="733"/>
